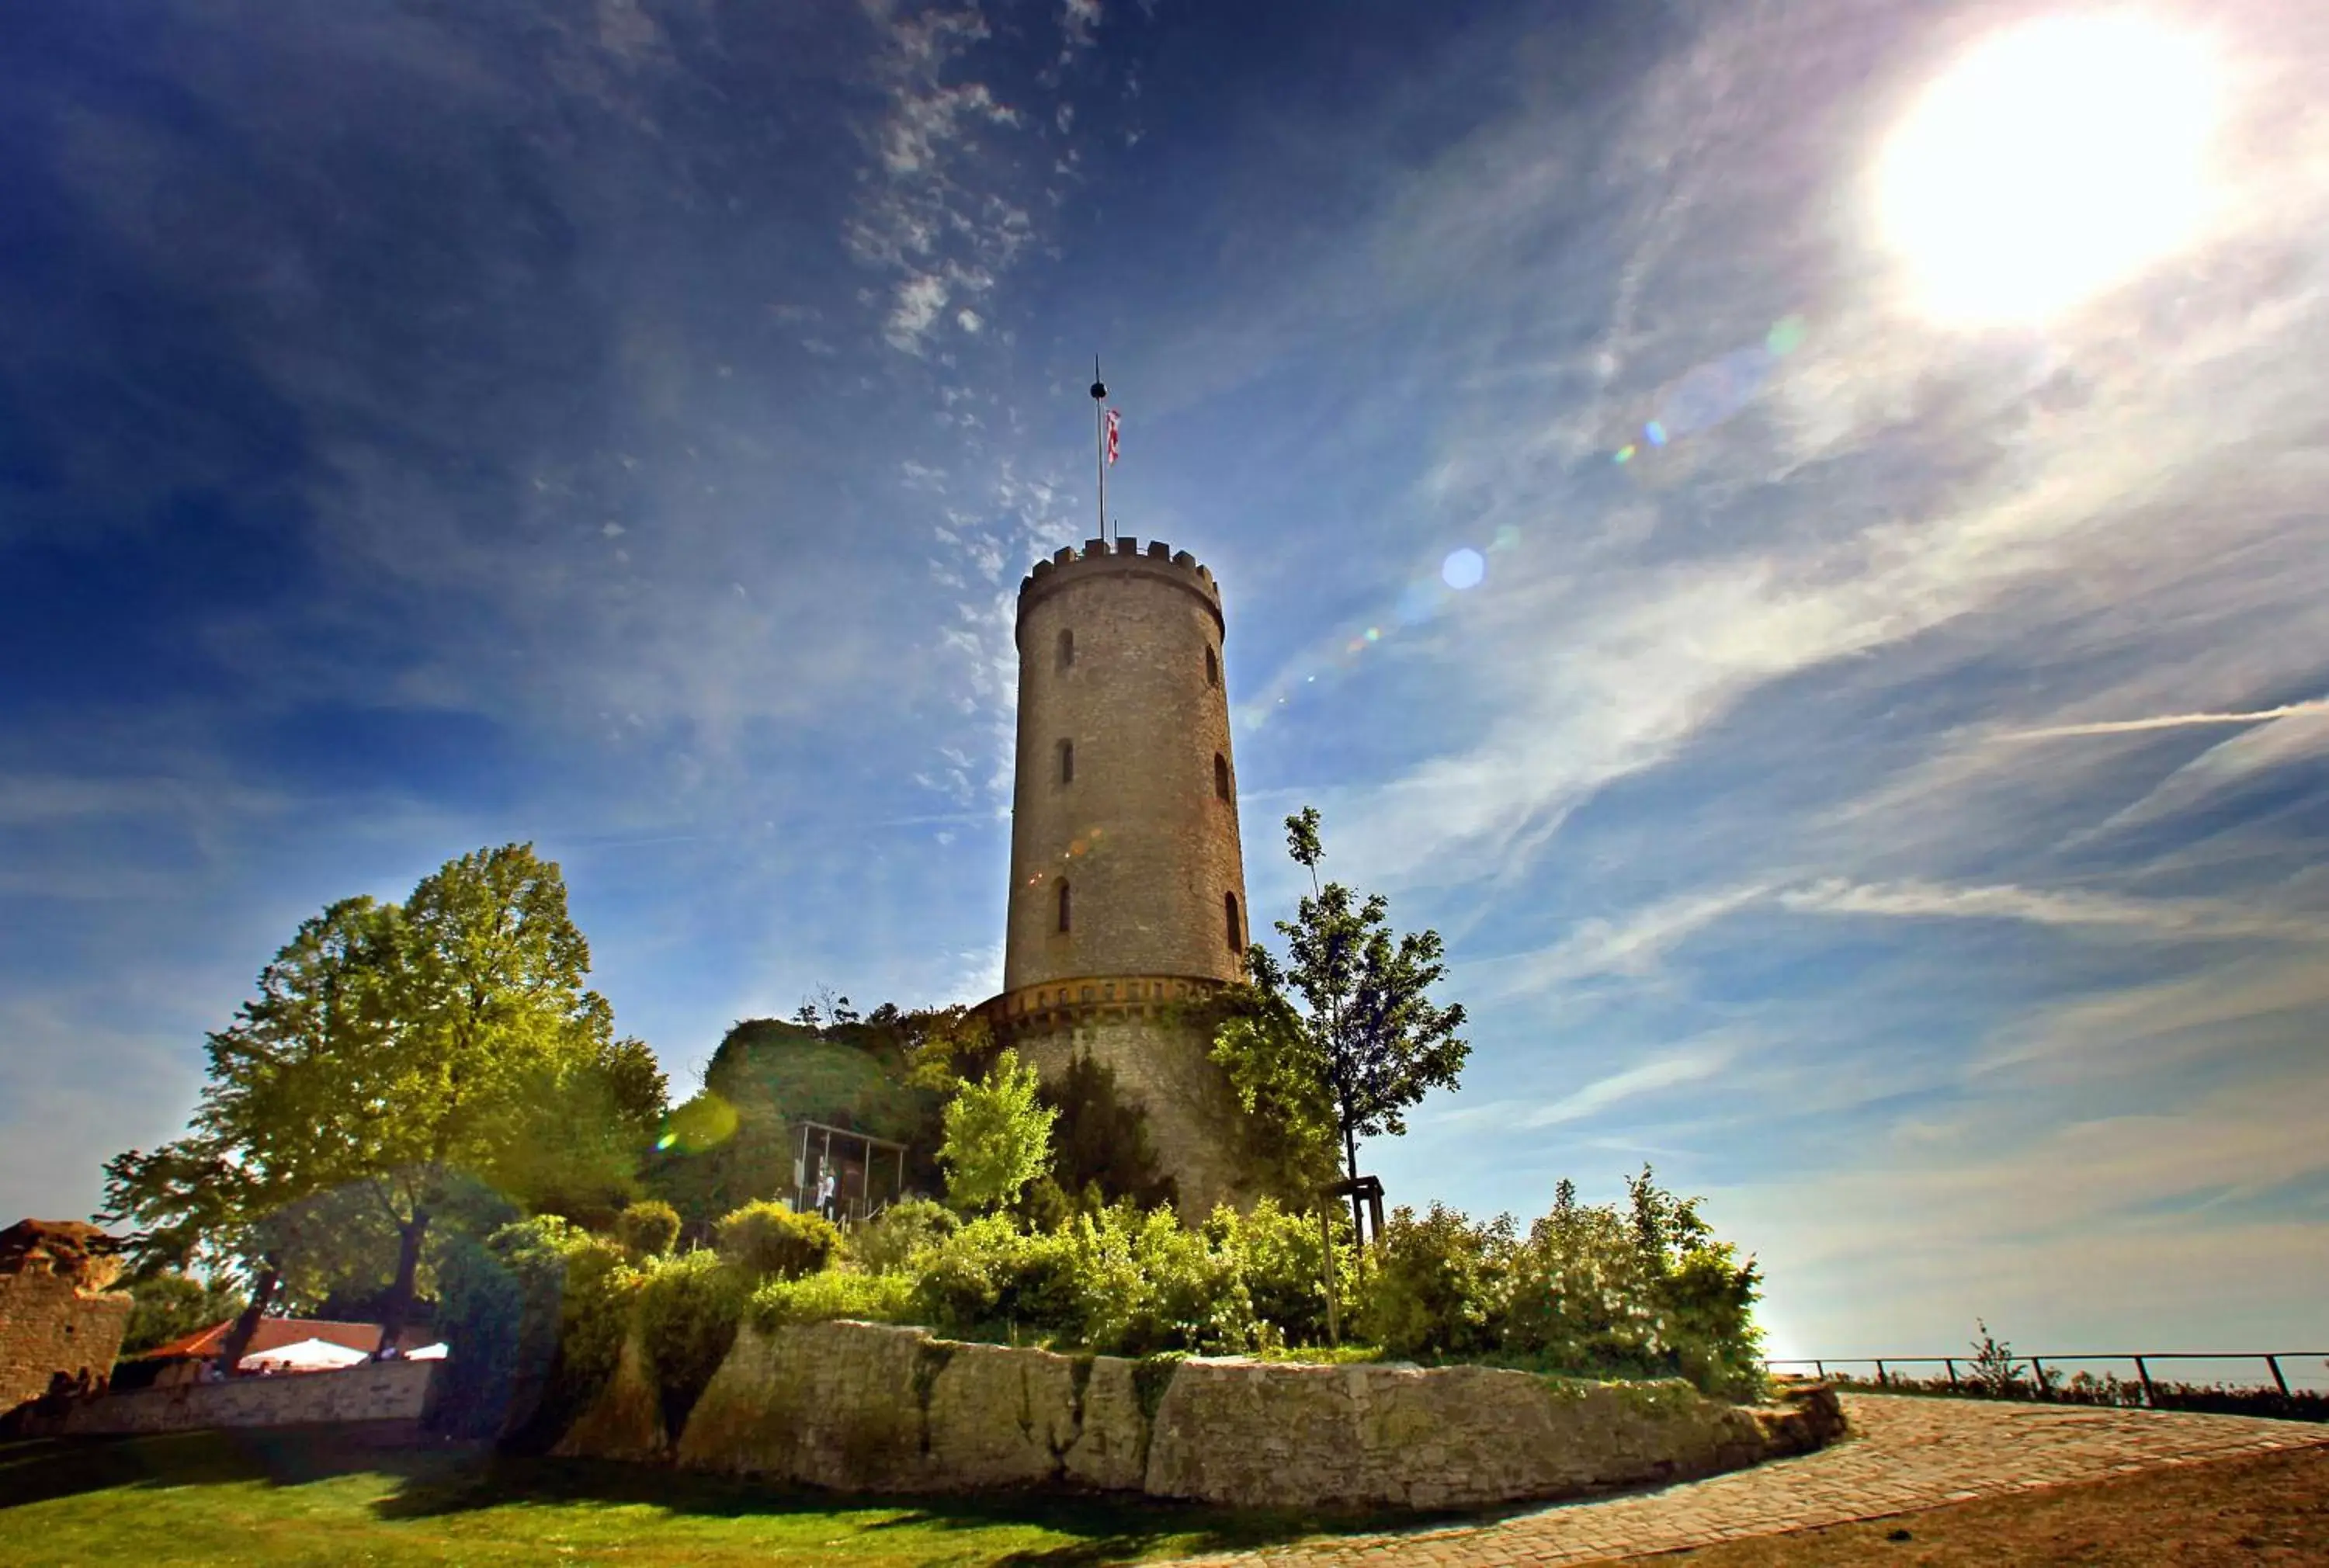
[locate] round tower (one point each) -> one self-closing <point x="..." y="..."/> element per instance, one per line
<point x="1128" y="882"/>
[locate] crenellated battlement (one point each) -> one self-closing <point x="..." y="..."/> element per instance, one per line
<point x="1127" y="559"/>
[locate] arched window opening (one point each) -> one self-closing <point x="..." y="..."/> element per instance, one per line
<point x="1067" y="647"/>
<point x="1213" y="666"/>
<point x="1064" y="906"/>
<point x="1236" y="932"/>
<point x="1220" y="776"/>
<point x="1067" y="762"/>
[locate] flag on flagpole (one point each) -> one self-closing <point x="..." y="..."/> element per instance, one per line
<point x="1111" y="437"/>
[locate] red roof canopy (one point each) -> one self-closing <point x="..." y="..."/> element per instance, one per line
<point x="274" y="1333"/>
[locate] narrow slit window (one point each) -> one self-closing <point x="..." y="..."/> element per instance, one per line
<point x="1235" y="932"/>
<point x="1067" y="647"/>
<point x="1064" y="906"/>
<point x="1213" y="666"/>
<point x="1067" y="762"/>
<point x="1220" y="776"/>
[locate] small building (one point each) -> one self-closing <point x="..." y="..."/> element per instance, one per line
<point x="57" y="1316"/>
<point x="869" y="1173"/>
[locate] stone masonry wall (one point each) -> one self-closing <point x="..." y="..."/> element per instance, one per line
<point x="863" y="1408"/>
<point x="1140" y="833"/>
<point x="376" y="1391"/>
<point x="1165" y="1066"/>
<point x="48" y="1324"/>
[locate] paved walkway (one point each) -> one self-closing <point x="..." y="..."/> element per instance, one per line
<point x="1907" y="1453"/>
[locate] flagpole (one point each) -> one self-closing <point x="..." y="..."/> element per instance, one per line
<point x="1100" y="442"/>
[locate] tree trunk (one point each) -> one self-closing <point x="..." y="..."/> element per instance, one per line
<point x="1358" y="1210"/>
<point x="398" y="1305"/>
<point x="262" y="1293"/>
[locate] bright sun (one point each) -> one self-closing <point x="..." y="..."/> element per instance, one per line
<point x="2058" y="158"/>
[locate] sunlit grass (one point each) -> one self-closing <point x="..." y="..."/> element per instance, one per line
<point x="297" y="1497"/>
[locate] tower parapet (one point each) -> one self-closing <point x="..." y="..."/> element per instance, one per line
<point x="1067" y="566"/>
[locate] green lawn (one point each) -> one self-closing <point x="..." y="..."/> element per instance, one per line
<point x="297" y="1497"/>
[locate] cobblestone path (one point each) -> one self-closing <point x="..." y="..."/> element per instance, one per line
<point x="1907" y="1453"/>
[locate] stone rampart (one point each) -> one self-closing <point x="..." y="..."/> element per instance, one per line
<point x="49" y="1323"/>
<point x="376" y="1391"/>
<point x="871" y="1408"/>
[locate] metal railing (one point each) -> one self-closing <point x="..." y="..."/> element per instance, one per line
<point x="2038" y="1364"/>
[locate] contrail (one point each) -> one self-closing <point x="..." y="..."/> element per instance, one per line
<point x="2168" y="721"/>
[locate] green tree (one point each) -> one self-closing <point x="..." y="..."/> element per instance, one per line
<point x="1343" y="1038"/>
<point x="400" y="1054"/>
<point x="494" y="1044"/>
<point x="170" y="1306"/>
<point x="261" y="1147"/>
<point x="1101" y="1140"/>
<point x="998" y="1136"/>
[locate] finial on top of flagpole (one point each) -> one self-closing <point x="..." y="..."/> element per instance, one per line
<point x="1099" y="387"/>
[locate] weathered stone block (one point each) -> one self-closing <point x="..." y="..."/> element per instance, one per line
<point x="836" y="1404"/>
<point x="1000" y="1417"/>
<point x="626" y="1421"/>
<point x="1110" y="1451"/>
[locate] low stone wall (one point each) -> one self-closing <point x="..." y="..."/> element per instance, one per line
<point x="871" y="1408"/>
<point x="376" y="1391"/>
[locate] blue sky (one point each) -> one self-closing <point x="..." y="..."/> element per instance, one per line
<point x="623" y="423"/>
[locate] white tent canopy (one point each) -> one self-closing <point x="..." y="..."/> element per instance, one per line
<point x="303" y="1356"/>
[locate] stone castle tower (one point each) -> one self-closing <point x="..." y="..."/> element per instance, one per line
<point x="1127" y="884"/>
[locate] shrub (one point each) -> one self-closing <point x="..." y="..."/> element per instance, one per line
<point x="1591" y="1292"/>
<point x="890" y="1242"/>
<point x="648" y="1229"/>
<point x="1149" y="1286"/>
<point x="766" y="1239"/>
<point x="688" y="1310"/>
<point x="990" y="1277"/>
<point x="574" y="1291"/>
<point x="1439" y="1286"/>
<point x="1280" y="1256"/>
<point x="833" y="1294"/>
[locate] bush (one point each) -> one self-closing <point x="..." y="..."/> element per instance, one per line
<point x="535" y="1318"/>
<point x="823" y="1298"/>
<point x="1151" y="1286"/>
<point x="992" y="1278"/>
<point x="890" y="1242"/>
<point x="766" y="1239"/>
<point x="1439" y="1286"/>
<point x="648" y="1229"/>
<point x="1591" y="1292"/>
<point x="1282" y="1259"/>
<point x="688" y="1311"/>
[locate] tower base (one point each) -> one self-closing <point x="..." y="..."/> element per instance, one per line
<point x="1141" y="1027"/>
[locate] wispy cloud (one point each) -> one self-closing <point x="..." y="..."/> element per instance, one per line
<point x="1649" y="1078"/>
<point x="1630" y="946"/>
<point x="2314" y="707"/>
<point x="2164" y="917"/>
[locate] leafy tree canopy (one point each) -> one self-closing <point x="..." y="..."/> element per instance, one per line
<point x="998" y="1136"/>
<point x="1340" y="1040"/>
<point x="390" y="1050"/>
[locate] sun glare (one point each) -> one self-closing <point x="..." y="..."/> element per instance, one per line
<point x="2056" y="159"/>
